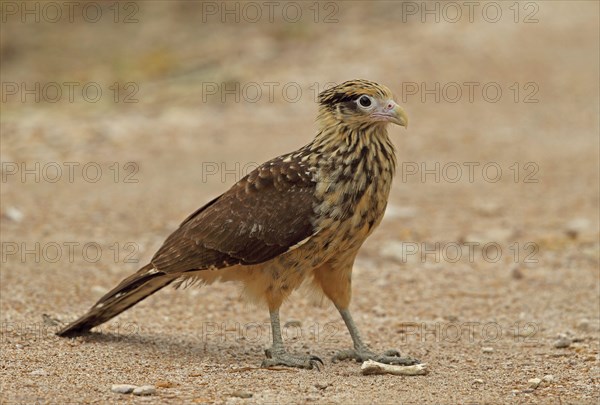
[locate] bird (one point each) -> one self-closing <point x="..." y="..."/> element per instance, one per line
<point x="299" y="218"/>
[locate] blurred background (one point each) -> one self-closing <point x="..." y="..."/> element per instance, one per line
<point x="120" y="118"/>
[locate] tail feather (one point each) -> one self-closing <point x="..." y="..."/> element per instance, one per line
<point x="145" y="282"/>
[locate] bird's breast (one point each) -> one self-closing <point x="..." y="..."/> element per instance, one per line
<point x="352" y="198"/>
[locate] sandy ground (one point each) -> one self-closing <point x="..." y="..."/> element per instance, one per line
<point x="490" y="280"/>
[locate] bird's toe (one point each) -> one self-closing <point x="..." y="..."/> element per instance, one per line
<point x="392" y="353"/>
<point x="287" y="360"/>
<point x="388" y="357"/>
<point x="397" y="360"/>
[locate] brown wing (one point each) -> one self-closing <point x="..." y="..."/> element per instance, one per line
<point x="260" y="217"/>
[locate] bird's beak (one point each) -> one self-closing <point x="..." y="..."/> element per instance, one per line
<point x="392" y="112"/>
<point x="398" y="115"/>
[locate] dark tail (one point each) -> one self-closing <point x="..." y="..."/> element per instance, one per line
<point x="145" y="282"/>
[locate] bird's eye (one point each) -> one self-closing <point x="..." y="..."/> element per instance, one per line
<point x="365" y="101"/>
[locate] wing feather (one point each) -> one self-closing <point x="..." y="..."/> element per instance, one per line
<point x="262" y="216"/>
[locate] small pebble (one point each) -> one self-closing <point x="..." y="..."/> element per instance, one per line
<point x="394" y="250"/>
<point x="534" y="383"/>
<point x="478" y="381"/>
<point x="563" y="342"/>
<point x="584" y="325"/>
<point x="487" y="208"/>
<point x="487" y="349"/>
<point x="241" y="394"/>
<point x="122" y="388"/>
<point x="14" y="214"/>
<point x="577" y="226"/>
<point x="50" y="321"/>
<point x="498" y="234"/>
<point x="397" y="212"/>
<point x="39" y="371"/>
<point x="145" y="390"/>
<point x="378" y="310"/>
<point x="516" y="273"/>
<point x="321" y="386"/>
<point x="98" y="290"/>
<point x="548" y="378"/>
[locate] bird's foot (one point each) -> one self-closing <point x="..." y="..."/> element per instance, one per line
<point x="283" y="358"/>
<point x="364" y="354"/>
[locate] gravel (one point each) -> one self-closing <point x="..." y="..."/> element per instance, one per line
<point x="190" y="339"/>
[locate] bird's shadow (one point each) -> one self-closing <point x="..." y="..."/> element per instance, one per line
<point x="178" y="347"/>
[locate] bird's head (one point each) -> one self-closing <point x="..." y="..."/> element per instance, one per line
<point x="360" y="104"/>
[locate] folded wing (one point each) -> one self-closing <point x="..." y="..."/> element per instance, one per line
<point x="260" y="217"/>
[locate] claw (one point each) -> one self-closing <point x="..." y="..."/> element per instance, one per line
<point x="314" y="362"/>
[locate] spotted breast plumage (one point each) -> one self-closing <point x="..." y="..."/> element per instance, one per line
<point x="300" y="217"/>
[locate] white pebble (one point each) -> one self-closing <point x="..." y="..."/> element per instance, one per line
<point x="487" y="208"/>
<point x="398" y="212"/>
<point x="98" y="290"/>
<point x="487" y="349"/>
<point x="577" y="226"/>
<point x="145" y="390"/>
<point x="39" y="371"/>
<point x="534" y="383"/>
<point x="14" y="214"/>
<point x="548" y="378"/>
<point x="395" y="250"/>
<point x="498" y="234"/>
<point x="583" y="324"/>
<point x="123" y="388"/>
<point x="563" y="342"/>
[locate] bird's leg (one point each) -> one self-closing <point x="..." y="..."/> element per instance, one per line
<point x="278" y="356"/>
<point x="362" y="353"/>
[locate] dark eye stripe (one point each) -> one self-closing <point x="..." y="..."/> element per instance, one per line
<point x="349" y="91"/>
<point x="338" y="98"/>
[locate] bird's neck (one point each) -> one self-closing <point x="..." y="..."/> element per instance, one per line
<point x="354" y="168"/>
<point x="365" y="147"/>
